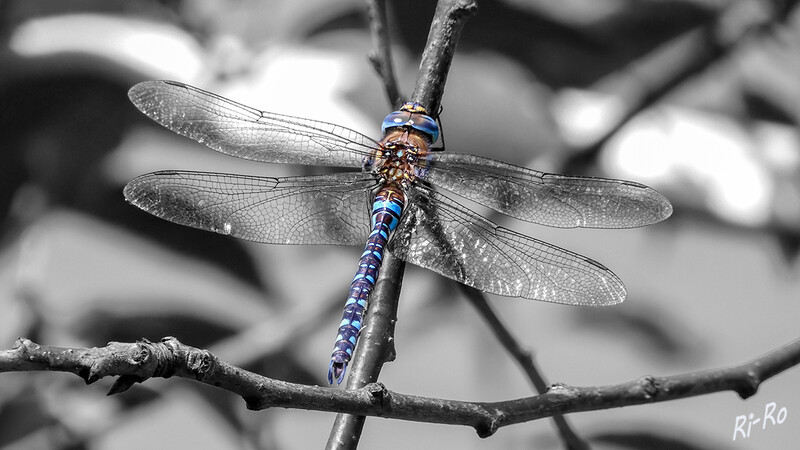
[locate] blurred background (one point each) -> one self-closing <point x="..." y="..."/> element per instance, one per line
<point x="697" y="98"/>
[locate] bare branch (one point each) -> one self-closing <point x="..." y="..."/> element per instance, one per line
<point x="448" y="21"/>
<point x="381" y="55"/>
<point x="654" y="76"/>
<point x="136" y="362"/>
<point x="375" y="345"/>
<point x="524" y="358"/>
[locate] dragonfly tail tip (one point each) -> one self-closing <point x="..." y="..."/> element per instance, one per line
<point x="336" y="372"/>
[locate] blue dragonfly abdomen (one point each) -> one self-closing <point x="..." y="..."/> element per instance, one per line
<point x="386" y="212"/>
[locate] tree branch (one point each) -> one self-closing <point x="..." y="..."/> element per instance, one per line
<point x="448" y="21"/>
<point x="375" y="346"/>
<point x="136" y="362"/>
<point x="652" y="77"/>
<point x="524" y="358"/>
<point x="381" y="55"/>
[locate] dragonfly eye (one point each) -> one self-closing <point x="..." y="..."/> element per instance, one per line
<point x="414" y="116"/>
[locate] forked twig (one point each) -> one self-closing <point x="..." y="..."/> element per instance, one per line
<point x="524" y="358"/>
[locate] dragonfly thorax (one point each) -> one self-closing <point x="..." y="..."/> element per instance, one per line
<point x="400" y="157"/>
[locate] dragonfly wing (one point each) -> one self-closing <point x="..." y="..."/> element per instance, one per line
<point x="238" y="130"/>
<point x="439" y="234"/>
<point x="325" y="209"/>
<point x="548" y="199"/>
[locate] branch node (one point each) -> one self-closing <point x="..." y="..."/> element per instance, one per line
<point x="650" y="387"/>
<point x="24" y="345"/>
<point x="200" y="362"/>
<point x="254" y="403"/>
<point x="486" y="429"/>
<point x="748" y="385"/>
<point x="164" y="356"/>
<point x="379" y="395"/>
<point x="466" y="8"/>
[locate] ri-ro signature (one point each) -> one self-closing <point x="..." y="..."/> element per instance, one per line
<point x="747" y="423"/>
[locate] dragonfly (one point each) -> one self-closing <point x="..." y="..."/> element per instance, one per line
<point x="401" y="195"/>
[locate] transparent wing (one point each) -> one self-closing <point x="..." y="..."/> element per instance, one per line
<point x="326" y="209"/>
<point x="548" y="199"/>
<point x="238" y="130"/>
<point x="439" y="234"/>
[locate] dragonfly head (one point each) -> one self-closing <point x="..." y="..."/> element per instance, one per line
<point x="413" y="115"/>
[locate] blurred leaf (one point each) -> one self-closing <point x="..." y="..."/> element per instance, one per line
<point x="661" y="333"/>
<point x="21" y="415"/>
<point x="57" y="131"/>
<point x="180" y="419"/>
<point x="126" y="326"/>
<point x="652" y="441"/>
<point x="557" y="51"/>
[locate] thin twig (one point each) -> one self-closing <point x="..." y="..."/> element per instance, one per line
<point x="448" y="21"/>
<point x="136" y="362"/>
<point x="652" y="77"/>
<point x="524" y="358"/>
<point x="381" y="55"/>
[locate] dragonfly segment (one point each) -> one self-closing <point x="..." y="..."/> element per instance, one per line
<point x="386" y="212"/>
<point x="409" y="218"/>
